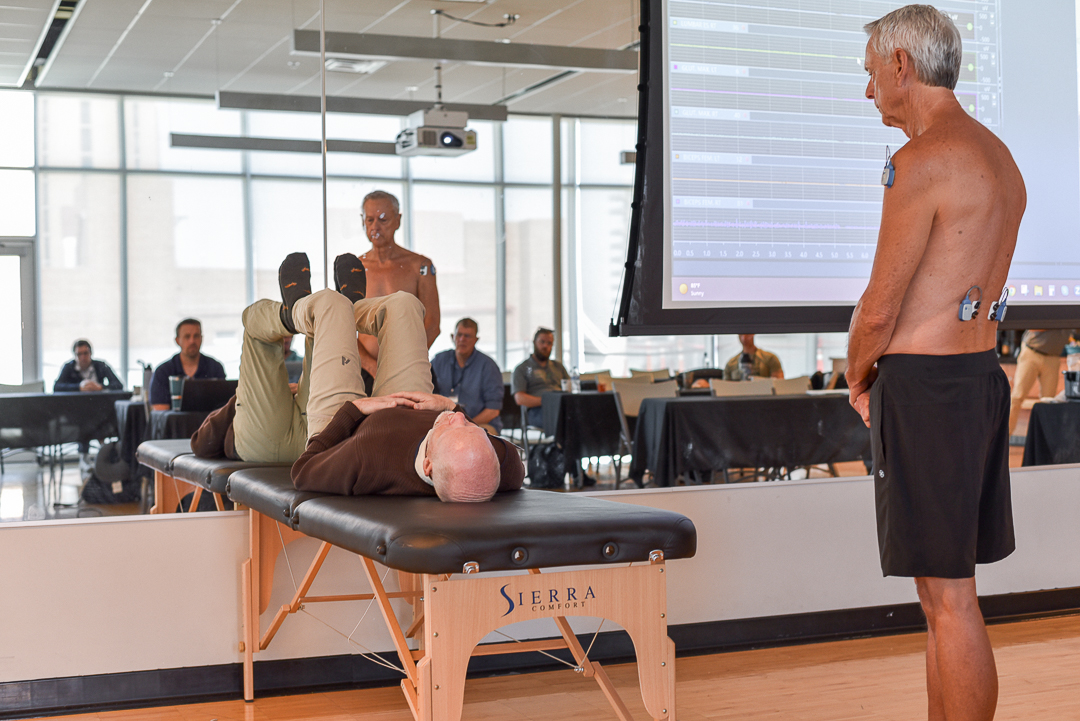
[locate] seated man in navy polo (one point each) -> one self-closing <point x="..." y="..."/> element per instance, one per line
<point x="470" y="377"/>
<point x="189" y="363"/>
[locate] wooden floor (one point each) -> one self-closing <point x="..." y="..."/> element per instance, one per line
<point x="867" y="679"/>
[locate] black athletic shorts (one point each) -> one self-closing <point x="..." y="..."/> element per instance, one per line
<point x="939" y="428"/>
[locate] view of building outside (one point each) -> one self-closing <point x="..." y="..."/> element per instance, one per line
<point x="203" y="231"/>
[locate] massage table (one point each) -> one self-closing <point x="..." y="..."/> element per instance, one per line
<point x="611" y="560"/>
<point x="178" y="471"/>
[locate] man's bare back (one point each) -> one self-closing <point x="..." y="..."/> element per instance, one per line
<point x="949" y="222"/>
<point x="963" y="181"/>
<point x="389" y="268"/>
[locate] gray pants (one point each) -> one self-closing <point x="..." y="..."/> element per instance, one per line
<point x="273" y="426"/>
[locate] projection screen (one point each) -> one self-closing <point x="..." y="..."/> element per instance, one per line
<point x="758" y="190"/>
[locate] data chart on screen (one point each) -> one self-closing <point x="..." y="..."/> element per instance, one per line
<point x="774" y="155"/>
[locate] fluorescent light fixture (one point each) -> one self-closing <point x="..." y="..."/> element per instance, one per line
<point x="358" y="67"/>
<point x="278" y="145"/>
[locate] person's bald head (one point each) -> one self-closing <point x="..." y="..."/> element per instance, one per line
<point x="460" y="460"/>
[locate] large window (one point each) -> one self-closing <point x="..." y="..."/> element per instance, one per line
<point x="79" y="256"/>
<point x="203" y="231"/>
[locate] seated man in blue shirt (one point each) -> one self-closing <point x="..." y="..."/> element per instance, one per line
<point x="470" y="377"/>
<point x="189" y="362"/>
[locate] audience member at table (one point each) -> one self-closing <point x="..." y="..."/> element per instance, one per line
<point x="291" y="356"/>
<point x="189" y="363"/>
<point x="86" y="374"/>
<point x="536" y="375"/>
<point x="539" y="374"/>
<point x="1040" y="357"/>
<point x="470" y="377"/>
<point x="763" y="364"/>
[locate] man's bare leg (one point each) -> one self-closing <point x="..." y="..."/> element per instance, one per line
<point x="961" y="678"/>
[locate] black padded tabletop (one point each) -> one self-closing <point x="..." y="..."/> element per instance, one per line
<point x="269" y="490"/>
<point x="425" y="535"/>
<point x="213" y="473"/>
<point x="160" y="455"/>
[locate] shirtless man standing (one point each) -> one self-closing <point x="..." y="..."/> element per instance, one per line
<point x="937" y="402"/>
<point x="390" y="268"/>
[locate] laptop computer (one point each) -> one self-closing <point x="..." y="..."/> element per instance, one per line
<point x="206" y="394"/>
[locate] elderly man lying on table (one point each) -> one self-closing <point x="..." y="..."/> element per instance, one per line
<point x="401" y="441"/>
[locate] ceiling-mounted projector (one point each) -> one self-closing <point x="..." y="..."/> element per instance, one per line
<point x="436" y="131"/>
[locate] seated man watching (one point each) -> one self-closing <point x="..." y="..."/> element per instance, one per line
<point x="761" y="363"/>
<point x="84" y="373"/>
<point x="471" y="377"/>
<point x="87" y="375"/>
<point x="189" y="362"/>
<point x="536" y="375"/>
<point x="401" y="441"/>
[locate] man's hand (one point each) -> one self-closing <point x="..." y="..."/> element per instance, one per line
<point x="859" y="386"/>
<point x="294" y="388"/>
<point x="89" y="385"/>
<point x="862" y="405"/>
<point x="367" y="406"/>
<point x="424" y="401"/>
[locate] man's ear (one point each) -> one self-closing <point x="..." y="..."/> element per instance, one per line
<point x="427" y="466"/>
<point x="905" y="68"/>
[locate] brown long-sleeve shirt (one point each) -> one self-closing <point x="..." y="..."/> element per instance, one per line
<point x="214" y="438"/>
<point x="364" y="455"/>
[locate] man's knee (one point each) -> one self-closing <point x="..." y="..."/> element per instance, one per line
<point x="947" y="596"/>
<point x="327" y="300"/>
<point x="402" y="303"/>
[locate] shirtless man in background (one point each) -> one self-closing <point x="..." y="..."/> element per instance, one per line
<point x="390" y="268"/>
<point x="937" y="401"/>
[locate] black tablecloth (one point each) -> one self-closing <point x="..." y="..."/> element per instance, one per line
<point x="175" y="424"/>
<point x="583" y="424"/>
<point x="1053" y="434"/>
<point x="131" y="422"/>
<point x="677" y="435"/>
<point x="44" y="419"/>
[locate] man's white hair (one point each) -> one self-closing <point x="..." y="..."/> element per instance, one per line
<point x="928" y="35"/>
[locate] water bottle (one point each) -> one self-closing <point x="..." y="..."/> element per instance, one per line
<point x="575" y="380"/>
<point x="746" y="366"/>
<point x="1072" y="356"/>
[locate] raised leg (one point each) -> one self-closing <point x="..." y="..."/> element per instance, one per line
<point x="326" y="317"/>
<point x="398" y="322"/>
<point x="269" y="424"/>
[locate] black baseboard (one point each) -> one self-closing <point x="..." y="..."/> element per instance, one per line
<point x="23" y="699"/>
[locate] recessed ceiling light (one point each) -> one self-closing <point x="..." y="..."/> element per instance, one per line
<point x="294" y="64"/>
<point x="359" y="67"/>
<point x="620" y="100"/>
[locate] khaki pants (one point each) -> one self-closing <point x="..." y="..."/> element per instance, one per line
<point x="272" y="426"/>
<point x="1029" y="366"/>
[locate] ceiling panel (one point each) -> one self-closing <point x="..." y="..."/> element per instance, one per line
<point x="175" y="47"/>
<point x="22" y="25"/>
